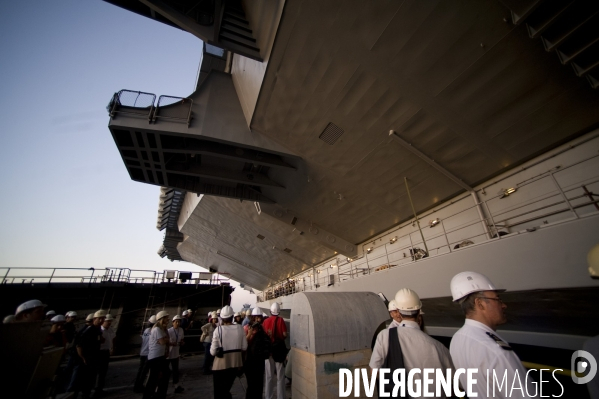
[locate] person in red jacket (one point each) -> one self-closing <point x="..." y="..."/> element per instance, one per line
<point x="277" y="331"/>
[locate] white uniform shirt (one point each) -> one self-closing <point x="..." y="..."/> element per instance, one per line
<point x="394" y="324"/>
<point x="145" y="342"/>
<point x="108" y="334"/>
<point x="418" y="348"/>
<point x="233" y="338"/>
<point x="175" y="337"/>
<point x="474" y="346"/>
<point x="156" y="349"/>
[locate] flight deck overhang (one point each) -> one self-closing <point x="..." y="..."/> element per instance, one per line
<point x="199" y="144"/>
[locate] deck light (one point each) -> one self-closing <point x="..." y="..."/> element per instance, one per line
<point x="393" y="240"/>
<point x="368" y="250"/>
<point x="434" y="222"/>
<point x="506" y="192"/>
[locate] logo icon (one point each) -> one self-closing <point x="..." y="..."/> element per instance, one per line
<point x="583" y="366"/>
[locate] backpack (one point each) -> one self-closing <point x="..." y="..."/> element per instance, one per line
<point x="261" y="345"/>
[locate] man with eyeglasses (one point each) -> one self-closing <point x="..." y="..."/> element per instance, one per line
<point x="477" y="345"/>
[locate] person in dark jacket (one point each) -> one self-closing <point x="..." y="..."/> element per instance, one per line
<point x="258" y="351"/>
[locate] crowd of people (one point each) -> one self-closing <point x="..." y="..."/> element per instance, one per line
<point x="86" y="349"/>
<point x="252" y="343"/>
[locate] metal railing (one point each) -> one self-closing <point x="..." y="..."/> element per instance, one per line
<point x="547" y="201"/>
<point x="177" y="109"/>
<point x="46" y="275"/>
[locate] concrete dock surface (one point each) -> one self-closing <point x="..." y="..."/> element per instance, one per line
<point x="121" y="376"/>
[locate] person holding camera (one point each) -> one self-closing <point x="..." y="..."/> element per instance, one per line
<point x="258" y="352"/>
<point x="228" y="344"/>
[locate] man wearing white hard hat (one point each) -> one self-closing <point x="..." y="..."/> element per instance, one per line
<point x="246" y="320"/>
<point x="258" y="352"/>
<point x="157" y="362"/>
<point x="32" y="310"/>
<point x="69" y="327"/>
<point x="206" y="339"/>
<point x="237" y="318"/>
<point x="277" y="331"/>
<point x="477" y="345"/>
<point x="228" y="343"/>
<point x="106" y="350"/>
<point x="56" y="335"/>
<point x="143" y="369"/>
<point x="50" y="314"/>
<point x="406" y="346"/>
<point x="88" y="350"/>
<point x="394" y="313"/>
<point x="176" y="340"/>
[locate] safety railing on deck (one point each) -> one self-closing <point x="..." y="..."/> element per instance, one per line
<point x="24" y="275"/>
<point x="138" y="103"/>
<point x="541" y="200"/>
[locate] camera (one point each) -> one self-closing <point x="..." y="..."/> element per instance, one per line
<point x="219" y="352"/>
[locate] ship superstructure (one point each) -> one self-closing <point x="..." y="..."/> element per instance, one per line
<point x="365" y="146"/>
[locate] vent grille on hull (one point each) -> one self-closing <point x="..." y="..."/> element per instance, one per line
<point x="331" y="134"/>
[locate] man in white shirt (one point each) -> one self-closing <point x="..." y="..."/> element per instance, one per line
<point x="228" y="361"/>
<point x="106" y="349"/>
<point x="477" y="345"/>
<point x="176" y="340"/>
<point x="416" y="349"/>
<point x="157" y="362"/>
<point x="142" y="371"/>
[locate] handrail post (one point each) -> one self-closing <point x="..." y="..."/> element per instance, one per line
<point x="481" y="214"/>
<point x="52" y="275"/>
<point x="564" y="196"/>
<point x="492" y="220"/>
<point x="416" y="215"/>
<point x="446" y="238"/>
<point x="6" y="275"/>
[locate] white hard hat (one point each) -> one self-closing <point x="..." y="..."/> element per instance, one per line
<point x="213" y="315"/>
<point x="593" y="261"/>
<point x="392" y="305"/>
<point x="8" y="319"/>
<point x="264" y="315"/>
<point x="218" y="311"/>
<point x="177" y="317"/>
<point x="161" y="314"/>
<point x="185" y="313"/>
<point x="100" y="313"/>
<point x="50" y="313"/>
<point x="89" y="317"/>
<point x="237" y="314"/>
<point x="256" y="312"/>
<point x="189" y="311"/>
<point x="109" y="317"/>
<point x="34" y="303"/>
<point x="152" y="319"/>
<point x="466" y="283"/>
<point x="226" y="312"/>
<point x="71" y="314"/>
<point x="275" y="309"/>
<point x="58" y="319"/>
<point x="406" y="299"/>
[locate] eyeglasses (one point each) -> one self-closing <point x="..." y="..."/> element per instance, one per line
<point x="493" y="299"/>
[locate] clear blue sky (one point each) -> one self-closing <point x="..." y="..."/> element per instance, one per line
<point x="66" y="198"/>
